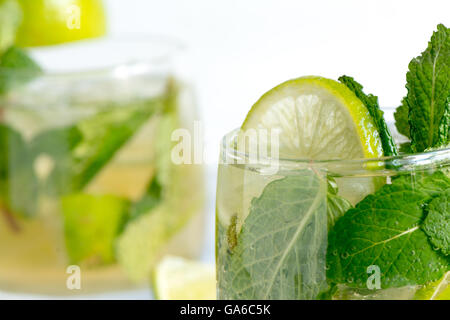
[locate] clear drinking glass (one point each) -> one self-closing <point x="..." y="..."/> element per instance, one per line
<point x="87" y="185"/>
<point x="336" y="229"/>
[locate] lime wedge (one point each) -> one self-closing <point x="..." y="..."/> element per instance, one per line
<point x="179" y="279"/>
<point x="91" y="225"/>
<point x="438" y="290"/>
<point x="318" y="119"/>
<point x="52" y="22"/>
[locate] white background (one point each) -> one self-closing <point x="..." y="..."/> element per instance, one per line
<point x="241" y="48"/>
<point x="238" y="49"/>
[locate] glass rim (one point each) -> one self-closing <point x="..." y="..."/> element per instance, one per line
<point x="403" y="162"/>
<point x="172" y="45"/>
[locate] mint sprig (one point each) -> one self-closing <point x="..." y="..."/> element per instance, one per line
<point x="371" y="103"/>
<point x="280" y="250"/>
<point x="385" y="230"/>
<point x="16" y="69"/>
<point x="437" y="222"/>
<point x="428" y="98"/>
<point x="82" y="151"/>
<point x="401" y="119"/>
<point x="336" y="205"/>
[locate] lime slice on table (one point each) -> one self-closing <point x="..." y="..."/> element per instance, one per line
<point x="179" y="279"/>
<point x="319" y="119"/>
<point x="52" y="22"/>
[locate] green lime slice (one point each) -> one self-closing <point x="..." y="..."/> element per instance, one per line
<point x="53" y="22"/>
<point x="179" y="279"/>
<point x="318" y="119"/>
<point x="91" y="225"/>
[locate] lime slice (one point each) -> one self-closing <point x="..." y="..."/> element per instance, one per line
<point x="91" y="225"/>
<point x="52" y="22"/>
<point x="438" y="290"/>
<point x="179" y="279"/>
<point x="318" y="119"/>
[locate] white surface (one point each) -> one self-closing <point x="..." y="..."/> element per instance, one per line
<point x="143" y="294"/>
<point x="241" y="48"/>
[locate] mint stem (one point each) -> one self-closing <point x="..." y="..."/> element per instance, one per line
<point x="10" y="220"/>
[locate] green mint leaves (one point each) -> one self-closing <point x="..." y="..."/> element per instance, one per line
<point x="371" y="103"/>
<point x="16" y="68"/>
<point x="81" y="151"/>
<point x="437" y="222"/>
<point x="336" y="205"/>
<point x="385" y="229"/>
<point x="78" y="153"/>
<point x="401" y="119"/>
<point x="280" y="250"/>
<point x="428" y="99"/>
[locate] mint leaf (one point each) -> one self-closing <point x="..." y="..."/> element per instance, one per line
<point x="280" y="251"/>
<point x="10" y="18"/>
<point x="428" y="93"/>
<point x="17" y="68"/>
<point x="401" y="119"/>
<point x="405" y="148"/>
<point x="371" y="103"/>
<point x="336" y="205"/>
<point x="437" y="222"/>
<point x="159" y="185"/>
<point x="56" y="142"/>
<point x="162" y="212"/>
<point x="444" y="126"/>
<point x="384" y="230"/>
<point x="149" y="201"/>
<point x="80" y="152"/>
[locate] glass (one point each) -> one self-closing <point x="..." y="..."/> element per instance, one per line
<point x="291" y="233"/>
<point x="86" y="178"/>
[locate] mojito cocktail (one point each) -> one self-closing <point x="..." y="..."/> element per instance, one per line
<point x="87" y="183"/>
<point x="316" y="199"/>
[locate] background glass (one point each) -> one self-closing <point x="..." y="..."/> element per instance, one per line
<point x="87" y="155"/>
